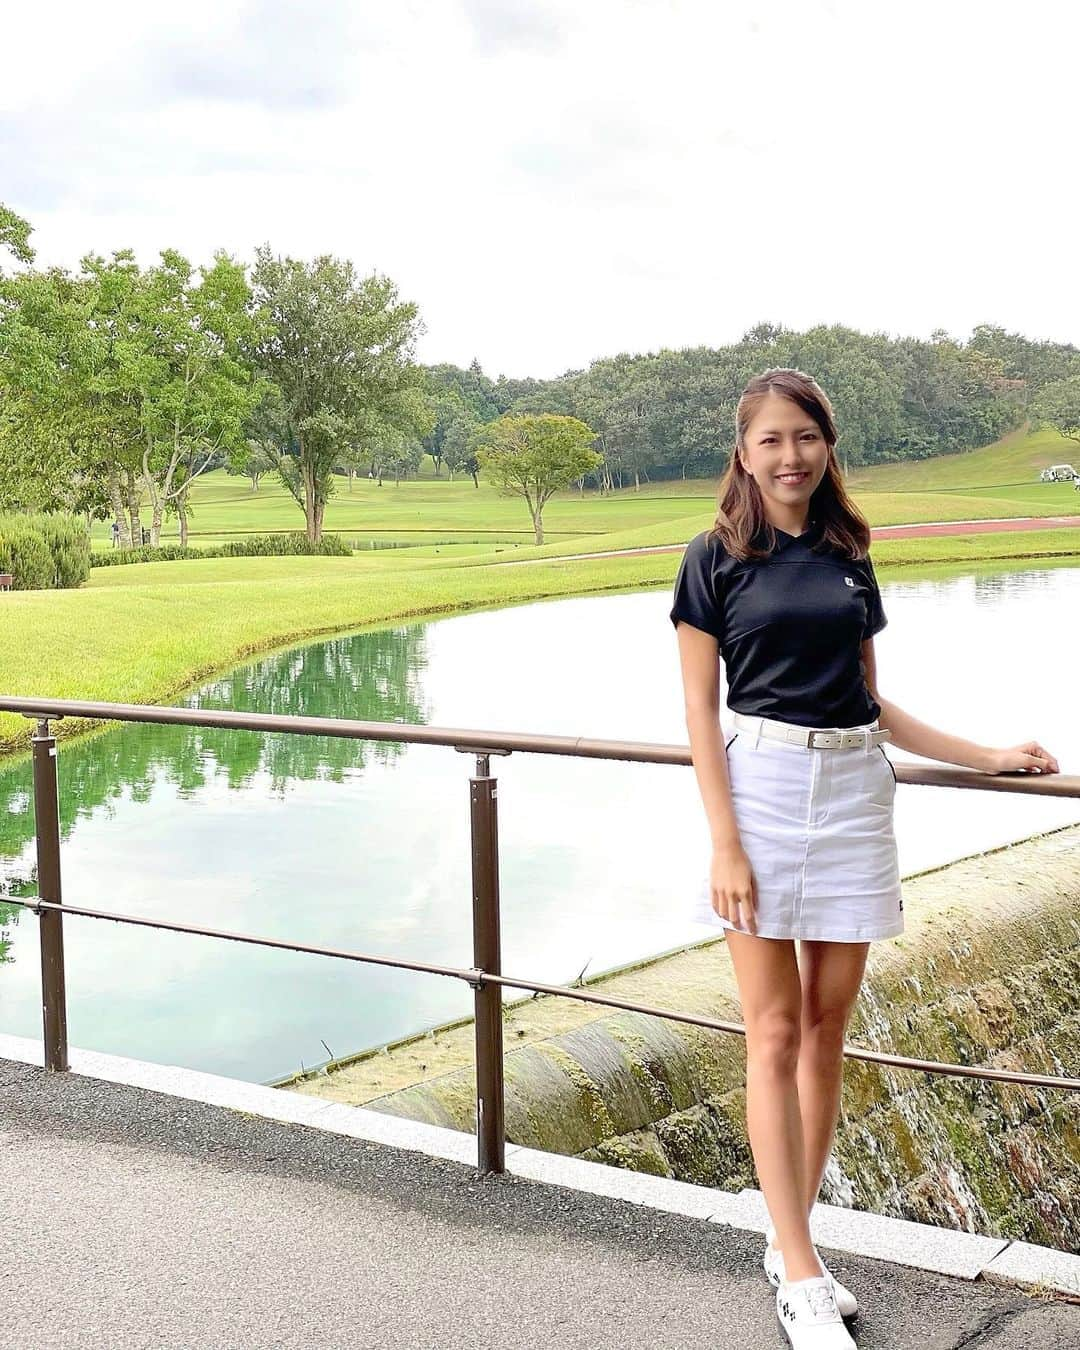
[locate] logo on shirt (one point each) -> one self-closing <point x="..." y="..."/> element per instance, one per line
<point x="850" y="581"/>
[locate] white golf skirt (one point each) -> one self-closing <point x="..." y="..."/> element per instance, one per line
<point x="817" y="826"/>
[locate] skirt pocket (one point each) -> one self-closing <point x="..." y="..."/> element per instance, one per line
<point x="883" y="787"/>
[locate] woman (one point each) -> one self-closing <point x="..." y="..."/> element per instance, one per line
<point x="783" y="590"/>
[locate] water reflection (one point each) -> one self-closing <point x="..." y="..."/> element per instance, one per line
<point x="365" y="845"/>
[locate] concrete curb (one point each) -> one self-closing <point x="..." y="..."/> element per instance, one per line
<point x="922" y="1246"/>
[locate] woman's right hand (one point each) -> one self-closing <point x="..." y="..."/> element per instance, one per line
<point x="732" y="886"/>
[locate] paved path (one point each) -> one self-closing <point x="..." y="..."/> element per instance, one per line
<point x="133" y="1219"/>
<point x="925" y="529"/>
<point x="921" y="530"/>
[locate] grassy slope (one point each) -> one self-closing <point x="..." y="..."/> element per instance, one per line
<point x="1014" y="461"/>
<point x="144" y="633"/>
<point x="1000" y="479"/>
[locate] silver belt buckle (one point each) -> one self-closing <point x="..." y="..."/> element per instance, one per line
<point x="842" y="740"/>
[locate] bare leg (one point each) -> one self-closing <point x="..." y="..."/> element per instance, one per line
<point x="770" y="992"/>
<point x="831" y="974"/>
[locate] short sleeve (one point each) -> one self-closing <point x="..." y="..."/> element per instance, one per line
<point x="696" y="600"/>
<point x="875" y="611"/>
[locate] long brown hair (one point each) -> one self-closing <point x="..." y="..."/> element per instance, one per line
<point x="740" y="514"/>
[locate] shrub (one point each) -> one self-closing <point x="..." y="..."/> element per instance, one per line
<point x="282" y="545"/>
<point x="120" y="557"/>
<point x="25" y="554"/>
<point x="43" y="552"/>
<point x="69" y="543"/>
<point x="258" y="546"/>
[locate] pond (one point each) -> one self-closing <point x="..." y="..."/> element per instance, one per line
<point x="366" y="845"/>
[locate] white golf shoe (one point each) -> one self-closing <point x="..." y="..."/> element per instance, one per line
<point x="807" y="1311"/>
<point x="774" y="1269"/>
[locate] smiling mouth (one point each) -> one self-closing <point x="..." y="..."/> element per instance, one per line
<point x="791" y="477"/>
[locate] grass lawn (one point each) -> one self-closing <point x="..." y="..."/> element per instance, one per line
<point x="145" y="633"/>
<point x="1013" y="462"/>
<point x="998" y="480"/>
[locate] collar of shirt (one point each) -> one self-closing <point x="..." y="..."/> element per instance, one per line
<point x="785" y="540"/>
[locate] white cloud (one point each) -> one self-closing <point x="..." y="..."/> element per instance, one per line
<point x="553" y="183"/>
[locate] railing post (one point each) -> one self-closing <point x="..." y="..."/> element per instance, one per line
<point x="487" y="956"/>
<point x="47" y="827"/>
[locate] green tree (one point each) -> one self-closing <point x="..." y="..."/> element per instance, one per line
<point x="395" y="443"/>
<point x="118" y="382"/>
<point x="448" y="406"/>
<point x="185" y="364"/>
<point x="252" y="461"/>
<point x="457" y="452"/>
<point x="340" y="353"/>
<point x="534" y="455"/>
<point x="1058" y="406"/>
<point x="15" y="235"/>
<point x="68" y="437"/>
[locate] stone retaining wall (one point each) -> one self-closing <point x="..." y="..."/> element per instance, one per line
<point x="987" y="972"/>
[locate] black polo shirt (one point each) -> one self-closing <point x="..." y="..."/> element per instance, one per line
<point x="789" y="626"/>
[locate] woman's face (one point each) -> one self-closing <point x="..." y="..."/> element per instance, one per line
<point x="786" y="454"/>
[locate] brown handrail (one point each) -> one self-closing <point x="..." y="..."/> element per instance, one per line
<point x="485" y="977"/>
<point x="496" y="742"/>
<point x="478" y="977"/>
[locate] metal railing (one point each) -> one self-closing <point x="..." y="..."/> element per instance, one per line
<point x="485" y="977"/>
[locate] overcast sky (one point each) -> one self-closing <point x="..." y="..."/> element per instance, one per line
<point x="553" y="182"/>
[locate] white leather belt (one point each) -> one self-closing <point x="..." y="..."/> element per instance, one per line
<point x="811" y="737"/>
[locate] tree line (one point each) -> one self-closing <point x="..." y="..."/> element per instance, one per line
<point x="671" y="414"/>
<point x="122" y="384"/>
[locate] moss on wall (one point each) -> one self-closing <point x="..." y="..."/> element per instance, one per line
<point x="987" y="972"/>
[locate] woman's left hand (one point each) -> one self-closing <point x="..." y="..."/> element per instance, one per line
<point x="1030" y="756"/>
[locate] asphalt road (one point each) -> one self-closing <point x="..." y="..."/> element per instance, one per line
<point x="129" y="1218"/>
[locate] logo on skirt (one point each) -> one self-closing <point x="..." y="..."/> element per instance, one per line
<point x="850" y="581"/>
